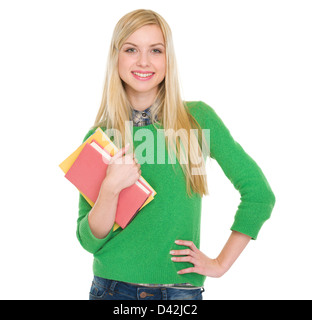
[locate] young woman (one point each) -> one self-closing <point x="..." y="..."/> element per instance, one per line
<point x="157" y="255"/>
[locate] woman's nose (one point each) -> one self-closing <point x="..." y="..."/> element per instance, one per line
<point x="143" y="59"/>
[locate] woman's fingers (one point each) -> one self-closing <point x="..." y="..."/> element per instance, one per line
<point x="187" y="244"/>
<point x="121" y="158"/>
<point x="120" y="152"/>
<point x="182" y="252"/>
<point x="184" y="259"/>
<point x="128" y="158"/>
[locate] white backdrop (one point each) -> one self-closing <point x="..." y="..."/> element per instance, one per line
<point x="249" y="60"/>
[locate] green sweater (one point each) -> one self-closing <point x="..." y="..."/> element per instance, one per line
<point x="140" y="252"/>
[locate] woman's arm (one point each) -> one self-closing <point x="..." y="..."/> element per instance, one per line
<point x="235" y="245"/>
<point x="90" y="219"/>
<point x="122" y="172"/>
<point x="101" y="217"/>
<point x="257" y="198"/>
<point x="212" y="267"/>
<point x="95" y="225"/>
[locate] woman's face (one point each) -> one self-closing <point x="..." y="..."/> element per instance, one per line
<point x="142" y="61"/>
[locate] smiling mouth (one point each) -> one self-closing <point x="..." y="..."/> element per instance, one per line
<point x="143" y="75"/>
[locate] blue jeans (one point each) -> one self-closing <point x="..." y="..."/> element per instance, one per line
<point x="105" y="289"/>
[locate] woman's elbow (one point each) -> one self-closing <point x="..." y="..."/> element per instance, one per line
<point x="268" y="197"/>
<point x="272" y="199"/>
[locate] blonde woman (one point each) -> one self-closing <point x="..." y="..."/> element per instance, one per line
<point x="157" y="256"/>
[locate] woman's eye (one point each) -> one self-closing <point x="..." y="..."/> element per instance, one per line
<point x="131" y="50"/>
<point x="156" y="51"/>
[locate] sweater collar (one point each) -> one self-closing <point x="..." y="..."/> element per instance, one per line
<point x="142" y="118"/>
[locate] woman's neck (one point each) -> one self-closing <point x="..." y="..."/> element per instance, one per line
<point x="141" y="101"/>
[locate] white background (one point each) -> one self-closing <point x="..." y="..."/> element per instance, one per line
<point x="249" y="60"/>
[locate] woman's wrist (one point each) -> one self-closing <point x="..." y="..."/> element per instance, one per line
<point x="109" y="188"/>
<point x="222" y="267"/>
<point x="232" y="249"/>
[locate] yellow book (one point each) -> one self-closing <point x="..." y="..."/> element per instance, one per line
<point x="100" y="137"/>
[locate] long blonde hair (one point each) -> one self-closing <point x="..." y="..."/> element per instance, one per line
<point x="169" y="107"/>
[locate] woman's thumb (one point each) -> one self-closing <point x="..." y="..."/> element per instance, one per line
<point x="121" y="151"/>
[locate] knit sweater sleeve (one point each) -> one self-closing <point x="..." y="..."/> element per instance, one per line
<point x="84" y="234"/>
<point x="257" y="199"/>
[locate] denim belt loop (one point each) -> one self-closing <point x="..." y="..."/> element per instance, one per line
<point x="112" y="286"/>
<point x="164" y="293"/>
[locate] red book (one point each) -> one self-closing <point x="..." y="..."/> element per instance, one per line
<point x="87" y="174"/>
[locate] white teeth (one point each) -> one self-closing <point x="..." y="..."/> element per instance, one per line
<point x="143" y="75"/>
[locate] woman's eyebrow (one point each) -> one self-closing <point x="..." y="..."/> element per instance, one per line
<point x="152" y="45"/>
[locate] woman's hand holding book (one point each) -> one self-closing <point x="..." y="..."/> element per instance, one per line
<point x="122" y="171"/>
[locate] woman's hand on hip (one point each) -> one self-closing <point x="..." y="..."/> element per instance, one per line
<point x="201" y="263"/>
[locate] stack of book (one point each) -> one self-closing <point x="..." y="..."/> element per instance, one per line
<point x="86" y="168"/>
